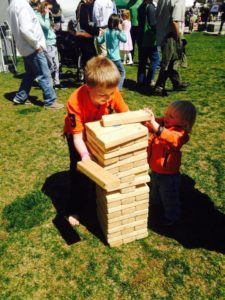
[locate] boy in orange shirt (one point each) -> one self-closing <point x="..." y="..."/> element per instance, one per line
<point x="169" y="134"/>
<point x="99" y="96"/>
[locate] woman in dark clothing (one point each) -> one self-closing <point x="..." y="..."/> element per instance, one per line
<point x="84" y="15"/>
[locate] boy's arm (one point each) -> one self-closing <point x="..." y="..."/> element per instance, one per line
<point x="80" y="146"/>
<point x="122" y="36"/>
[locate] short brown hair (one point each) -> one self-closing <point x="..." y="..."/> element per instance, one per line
<point x="187" y="112"/>
<point x="100" y="71"/>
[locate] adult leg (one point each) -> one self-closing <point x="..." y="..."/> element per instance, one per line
<point x="155" y="198"/>
<point x="154" y="63"/>
<point x="143" y="58"/>
<point x="27" y="81"/>
<point x="40" y="67"/>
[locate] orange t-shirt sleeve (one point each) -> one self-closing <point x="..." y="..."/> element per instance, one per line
<point x="73" y="119"/>
<point x="120" y="105"/>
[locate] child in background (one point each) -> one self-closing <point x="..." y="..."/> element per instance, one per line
<point x="169" y="134"/>
<point x="99" y="96"/>
<point x="127" y="47"/>
<point x="44" y="16"/>
<point x="112" y="36"/>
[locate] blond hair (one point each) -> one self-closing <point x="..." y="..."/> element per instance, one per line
<point x="100" y="71"/>
<point x="126" y="14"/>
<point x="186" y="111"/>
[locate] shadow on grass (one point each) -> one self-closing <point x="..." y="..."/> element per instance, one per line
<point x="57" y="187"/>
<point x="32" y="99"/>
<point x="201" y="226"/>
<point x="26" y="212"/>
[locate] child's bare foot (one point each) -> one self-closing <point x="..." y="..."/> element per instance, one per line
<point x="74" y="220"/>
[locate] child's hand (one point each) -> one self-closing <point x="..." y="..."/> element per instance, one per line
<point x="120" y="27"/>
<point x="151" y="114"/>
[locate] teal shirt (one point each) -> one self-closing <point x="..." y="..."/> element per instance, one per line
<point x="112" y="38"/>
<point x="47" y="28"/>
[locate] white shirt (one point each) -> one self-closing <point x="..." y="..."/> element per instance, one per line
<point x="166" y="12"/>
<point x="102" y="10"/>
<point x="25" y="27"/>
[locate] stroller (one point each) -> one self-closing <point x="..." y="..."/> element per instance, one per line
<point x="69" y="51"/>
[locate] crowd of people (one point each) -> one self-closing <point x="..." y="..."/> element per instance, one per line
<point x="102" y="36"/>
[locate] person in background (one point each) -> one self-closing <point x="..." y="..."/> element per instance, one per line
<point x="133" y="8"/>
<point x="168" y="135"/>
<point x="57" y="15"/>
<point x="30" y="41"/>
<point x="147" y="44"/>
<point x="168" y="16"/>
<point x="99" y="96"/>
<point x="44" y="17"/>
<point x="86" y="44"/>
<point x="222" y="10"/>
<point x="205" y="13"/>
<point x="112" y="36"/>
<point x="126" y="47"/>
<point x="102" y="10"/>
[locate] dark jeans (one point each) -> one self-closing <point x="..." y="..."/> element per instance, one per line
<point x="82" y="189"/>
<point x="144" y="54"/>
<point x="168" y="69"/>
<point x="165" y="191"/>
<point x="134" y="36"/>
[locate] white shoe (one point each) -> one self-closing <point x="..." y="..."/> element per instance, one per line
<point x="130" y="63"/>
<point x="124" y="63"/>
<point x="55" y="105"/>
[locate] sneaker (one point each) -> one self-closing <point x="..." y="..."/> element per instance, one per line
<point x="159" y="91"/>
<point x="124" y="63"/>
<point x="59" y="87"/>
<point x="152" y="83"/>
<point x="55" y="105"/>
<point x="17" y="101"/>
<point x="181" y="87"/>
<point x="129" y="63"/>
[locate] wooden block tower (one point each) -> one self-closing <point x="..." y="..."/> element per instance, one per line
<point x="121" y="150"/>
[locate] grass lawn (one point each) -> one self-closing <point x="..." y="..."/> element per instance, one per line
<point x="182" y="263"/>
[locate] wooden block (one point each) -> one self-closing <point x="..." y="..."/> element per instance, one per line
<point x="127" y="190"/>
<point x="127" y="200"/>
<point x="116" y="243"/>
<point x="99" y="157"/>
<point x="144" y="196"/>
<point x="127" y="230"/>
<point x="113" y="170"/>
<point x="128" y="211"/>
<point x="142" y="206"/>
<point x="114" y="204"/>
<point x="100" y="176"/>
<point x="127" y="151"/>
<point x="129" y="220"/>
<point x="127" y="178"/>
<point x="125" y="156"/>
<point x="126" y="144"/>
<point x="125" y="167"/>
<point x="142" y="235"/>
<point x="139" y="162"/>
<point x="125" y="118"/>
<point x="130" y="234"/>
<point x="122" y="134"/>
<point x="137" y="181"/>
<point x="136" y="170"/>
<point x="128" y="160"/>
<point x="141" y="226"/>
<point x="118" y="196"/>
<point x="114" y="234"/>
<point x="141" y="217"/>
<point x="129" y="239"/>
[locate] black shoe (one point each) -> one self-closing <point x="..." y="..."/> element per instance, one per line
<point x="159" y="91"/>
<point x="181" y="87"/>
<point x="59" y="87"/>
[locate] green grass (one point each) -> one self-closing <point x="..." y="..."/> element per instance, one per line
<point x="36" y="263"/>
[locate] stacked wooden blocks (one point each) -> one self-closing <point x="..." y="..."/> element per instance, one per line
<point x="121" y="150"/>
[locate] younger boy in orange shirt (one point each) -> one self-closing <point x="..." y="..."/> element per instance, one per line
<point x="169" y="134"/>
<point x="99" y="96"/>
